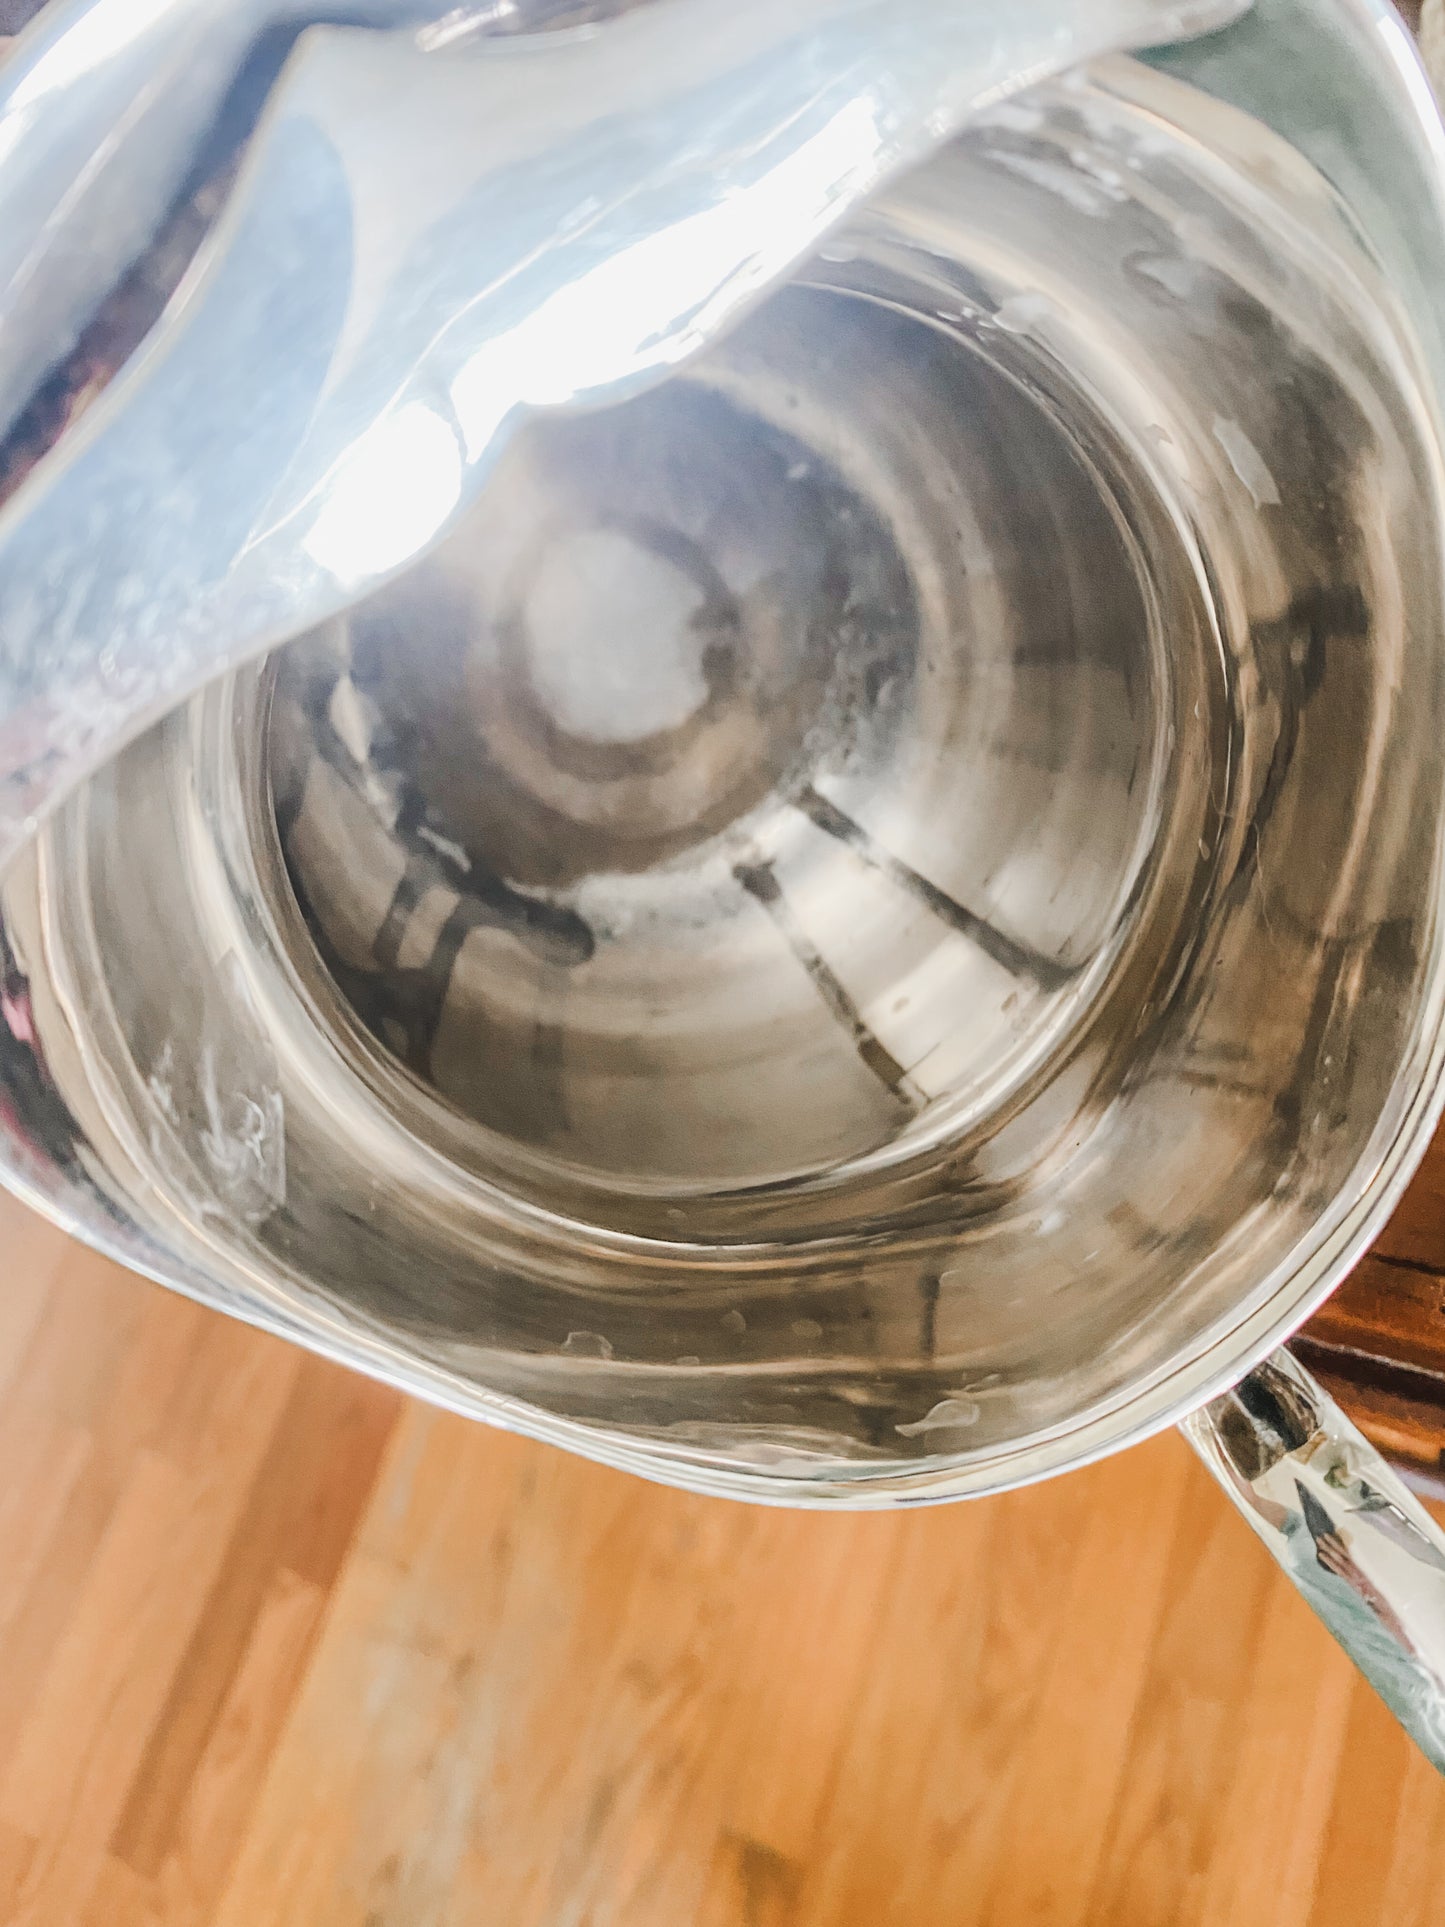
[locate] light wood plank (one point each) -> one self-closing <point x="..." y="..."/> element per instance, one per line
<point x="1187" y="1735"/>
<point x="280" y="1650"/>
<point x="213" y="1807"/>
<point x="1292" y="1716"/>
<point x="309" y="1492"/>
<point x="152" y="1566"/>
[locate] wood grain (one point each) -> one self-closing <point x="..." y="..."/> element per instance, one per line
<point x="1380" y="1341"/>
<point x="281" y="1649"/>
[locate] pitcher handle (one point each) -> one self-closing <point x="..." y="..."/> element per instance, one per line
<point x="1346" y="1530"/>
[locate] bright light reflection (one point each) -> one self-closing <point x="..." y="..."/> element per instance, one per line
<point x="389" y="496"/>
<point x="647" y="305"/>
<point x="99" y="36"/>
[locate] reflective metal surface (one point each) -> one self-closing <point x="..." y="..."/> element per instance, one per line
<point x="1360" y="1547"/>
<point x="867" y="925"/>
<point x="430" y="236"/>
<point x="869" y="907"/>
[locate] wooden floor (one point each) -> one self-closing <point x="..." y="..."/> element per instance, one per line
<point x="278" y="1647"/>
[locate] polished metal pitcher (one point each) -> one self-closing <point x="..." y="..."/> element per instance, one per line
<point x="860" y="924"/>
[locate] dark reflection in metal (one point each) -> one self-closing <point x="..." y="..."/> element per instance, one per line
<point x="1017" y="958"/>
<point x="762" y="885"/>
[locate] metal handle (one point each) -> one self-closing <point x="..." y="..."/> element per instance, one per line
<point x="1364" y="1552"/>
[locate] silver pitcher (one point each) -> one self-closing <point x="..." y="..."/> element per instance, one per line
<point x="859" y="925"/>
